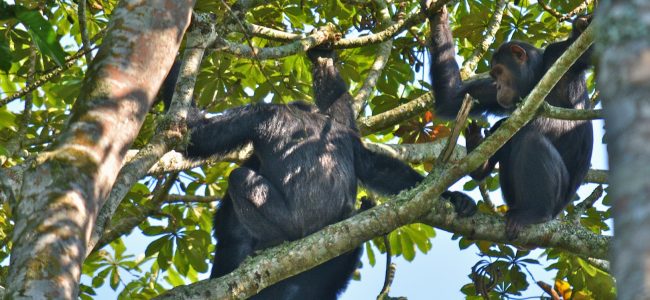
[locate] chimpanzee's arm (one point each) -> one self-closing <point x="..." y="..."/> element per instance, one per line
<point x="555" y="50"/>
<point x="448" y="87"/>
<point x="389" y="176"/>
<point x="383" y="173"/>
<point x="231" y="130"/>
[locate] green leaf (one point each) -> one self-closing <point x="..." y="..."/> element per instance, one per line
<point x="119" y="247"/>
<point x="587" y="267"/>
<point x="469" y="185"/>
<point x="42" y="33"/>
<point x="174" y="278"/>
<point x="395" y="242"/>
<point x="115" y="278"/>
<point x="6" y="11"/>
<point x="153" y="230"/>
<point x="5" y="54"/>
<point x="371" y="254"/>
<point x="166" y="254"/>
<point x="418" y="237"/>
<point x="98" y="280"/>
<point x="181" y="262"/>
<point x="408" y="250"/>
<point x="7" y="119"/>
<point x="155" y="246"/>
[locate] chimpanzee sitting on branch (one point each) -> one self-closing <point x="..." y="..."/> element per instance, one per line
<point x="302" y="177"/>
<point x="544" y="163"/>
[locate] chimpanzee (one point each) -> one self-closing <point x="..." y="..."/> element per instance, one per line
<point x="543" y="164"/>
<point x="302" y="177"/>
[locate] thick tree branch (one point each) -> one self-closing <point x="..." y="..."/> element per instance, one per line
<point x="64" y="188"/>
<point x="553" y="234"/>
<point x="299" y="46"/>
<point x="624" y="79"/>
<point x="414" y="153"/>
<point x="417" y="153"/>
<point x="267" y="33"/>
<point x="288" y="259"/>
<point x="597" y="176"/>
<point x="198" y="38"/>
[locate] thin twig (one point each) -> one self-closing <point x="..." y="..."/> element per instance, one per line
<point x="191" y="199"/>
<point x="586" y="204"/>
<point x="570" y="114"/>
<point x="549" y="9"/>
<point x="461" y="119"/>
<point x="83" y="30"/>
<point x="485" y="194"/>
<point x="594" y="98"/>
<point x="549" y="290"/>
<point x="27" y="110"/>
<point x="391" y="268"/>
<point x="125" y="225"/>
<point x="563" y="17"/>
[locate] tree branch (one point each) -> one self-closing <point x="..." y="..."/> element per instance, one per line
<point x="586" y="204"/>
<point x="383" y="54"/>
<point x="312" y="40"/>
<point x="190" y="199"/>
<point x="597" y="176"/>
<point x="570" y="114"/>
<point x="83" y="30"/>
<point x="63" y="190"/>
<point x="16" y="143"/>
<point x="198" y="38"/>
<point x="563" y="17"/>
<point x="415" y="107"/>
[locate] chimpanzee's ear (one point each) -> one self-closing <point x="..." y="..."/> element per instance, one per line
<point x="518" y="53"/>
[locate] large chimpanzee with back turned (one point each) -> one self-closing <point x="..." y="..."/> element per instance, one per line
<point x="544" y="163"/>
<point x="302" y="177"/>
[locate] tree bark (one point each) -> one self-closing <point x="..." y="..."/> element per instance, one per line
<point x="62" y="191"/>
<point x="624" y="79"/>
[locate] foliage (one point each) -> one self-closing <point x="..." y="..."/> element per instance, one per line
<point x="179" y="247"/>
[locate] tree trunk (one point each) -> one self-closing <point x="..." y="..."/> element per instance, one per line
<point x="63" y="190"/>
<point x="624" y="78"/>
